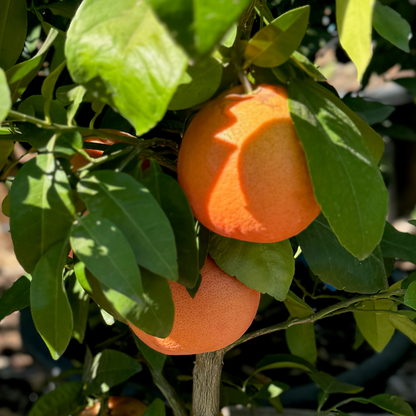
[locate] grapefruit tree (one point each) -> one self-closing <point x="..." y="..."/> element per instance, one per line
<point x="188" y="156"/>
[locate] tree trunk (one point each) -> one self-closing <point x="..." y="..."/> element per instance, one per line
<point x="207" y="377"/>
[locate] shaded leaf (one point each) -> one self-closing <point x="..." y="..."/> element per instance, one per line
<point x="396" y="244"/>
<point x="108" y="369"/>
<point x="408" y="83"/>
<point x="354" y="25"/>
<point x="266" y="268"/>
<point x="13" y="24"/>
<point x="301" y="341"/>
<point x="372" y="112"/>
<point x="119" y="48"/>
<point x="375" y="327"/>
<point x="49" y="303"/>
<point x="404" y="325"/>
<point x="270" y="362"/>
<point x="65" y="400"/>
<point x="174" y="203"/>
<point x="5" y="100"/>
<point x="330" y="384"/>
<point x="41" y="209"/>
<point x="155" y="359"/>
<point x="392" y="404"/>
<point x="130" y="206"/>
<point x="156" y="408"/>
<point x="205" y="78"/>
<point x="389" y="24"/>
<point x="16" y="298"/>
<point x="198" y="25"/>
<point x="6" y="148"/>
<point x="307" y="66"/>
<point x="347" y="181"/>
<point x="274" y="44"/>
<point x="335" y="265"/>
<point x="35" y="106"/>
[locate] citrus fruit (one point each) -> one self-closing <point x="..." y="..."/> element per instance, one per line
<point x="243" y="167"/>
<point x="218" y="315"/>
<point x="117" y="406"/>
<point x="78" y="161"/>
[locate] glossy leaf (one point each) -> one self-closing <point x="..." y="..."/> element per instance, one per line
<point x="174" y="203"/>
<point x="404" y="325"/>
<point x="16" y="298"/>
<point x="267" y="268"/>
<point x="6" y="149"/>
<point x="5" y="99"/>
<point x="66" y="399"/>
<point x="392" y="404"/>
<point x="354" y="25"/>
<point x="13" y="24"/>
<point x="274" y="44"/>
<point x="108" y="369"/>
<point x="396" y="244"/>
<point x="389" y="24"/>
<point x="198" y="25"/>
<point x="372" y="112"/>
<point x="330" y="384"/>
<point x="104" y="250"/>
<point x="335" y="265"/>
<point x="155" y="359"/>
<point x="120" y="48"/>
<point x="80" y="302"/>
<point x="20" y="75"/>
<point x="374" y="326"/>
<point x="346" y="179"/>
<point x="156" y="408"/>
<point x="130" y="206"/>
<point x="41" y="209"/>
<point x="205" y="78"/>
<point x="49" y="303"/>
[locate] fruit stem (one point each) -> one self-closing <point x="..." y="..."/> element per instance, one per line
<point x="207" y="379"/>
<point x="245" y="82"/>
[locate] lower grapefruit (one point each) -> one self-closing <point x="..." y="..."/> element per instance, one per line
<point x="218" y="315"/>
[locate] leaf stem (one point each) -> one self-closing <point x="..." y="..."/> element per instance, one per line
<point x="339" y="308"/>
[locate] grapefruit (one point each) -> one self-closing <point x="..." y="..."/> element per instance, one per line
<point x="218" y="315"/>
<point x="243" y="168"/>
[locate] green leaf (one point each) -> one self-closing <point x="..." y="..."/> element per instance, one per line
<point x="16" y="298"/>
<point x="13" y="24"/>
<point x="300" y="338"/>
<point x="410" y="296"/>
<point x="391" y="26"/>
<point x="346" y="179"/>
<point x="155" y="359"/>
<point x="307" y="66"/>
<point x="35" y="106"/>
<point x="270" y="362"/>
<point x="66" y="399"/>
<point x="398" y="131"/>
<point x="80" y="302"/>
<point x="374" y="326"/>
<point x="354" y="25"/>
<point x="335" y="265"/>
<point x="331" y="385"/>
<point x="122" y="46"/>
<point x="205" y="80"/>
<point x="5" y="206"/>
<point x="108" y="369"/>
<point x="396" y="244"/>
<point x="371" y="112"/>
<point x="274" y="44"/>
<point x="6" y="148"/>
<point x="174" y="203"/>
<point x="233" y="396"/>
<point x="20" y="75"/>
<point x="49" y="303"/>
<point x="156" y="408"/>
<point x="104" y="250"/>
<point x="66" y="8"/>
<point x="41" y="209"/>
<point x="198" y="25"/>
<point x="130" y="206"/>
<point x="5" y="100"/>
<point x="404" y="325"/>
<point x="392" y="404"/>
<point x="48" y="85"/>
<point x="267" y="268"/>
